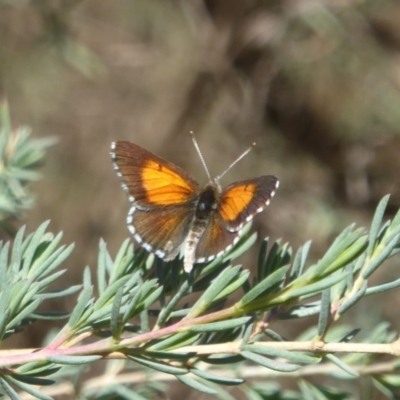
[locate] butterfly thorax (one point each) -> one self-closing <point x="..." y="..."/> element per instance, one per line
<point x="205" y="206"/>
<point x="207" y="202"/>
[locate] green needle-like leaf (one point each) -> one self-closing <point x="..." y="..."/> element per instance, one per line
<point x="73" y="360"/>
<point x="262" y="255"/>
<point x="152" y="297"/>
<point x="195" y="384"/>
<point x="4" y="317"/>
<point x="376" y="223"/>
<point x="175" y="341"/>
<point x="324" y="314"/>
<point x="108" y="294"/>
<point x="263" y="287"/>
<point x="16" y="255"/>
<point x="383" y="288"/>
<point x="310" y="289"/>
<point x="377" y="260"/>
<point x="9" y="389"/>
<point x="300" y="260"/>
<point x="131" y="309"/>
<point x="83" y="302"/>
<point x="270" y="364"/>
<point x="30" y="251"/>
<point x="101" y="268"/>
<point x="24" y="313"/>
<point x="221" y="325"/>
<point x="50" y="247"/>
<point x="271" y="261"/>
<point x="30" y="389"/>
<point x="159" y="366"/>
<point x="292" y="356"/>
<point x="52" y="278"/>
<point x="243" y="245"/>
<point x="343" y="366"/>
<point x="3" y="264"/>
<point x="125" y="252"/>
<point x="168" y="355"/>
<point x="353" y="300"/>
<point x="223" y="360"/>
<point x="18" y="294"/>
<point x="52" y="262"/>
<point x="115" y="313"/>
<point x="32" y="380"/>
<point x="233" y="286"/>
<point x="167" y="310"/>
<point x="215" y="378"/>
<point x="223" y="280"/>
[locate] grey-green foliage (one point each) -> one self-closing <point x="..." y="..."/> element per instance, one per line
<point x="27" y="269"/>
<point x="149" y="314"/>
<point x="20" y="155"/>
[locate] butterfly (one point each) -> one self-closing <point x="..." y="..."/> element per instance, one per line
<point x="169" y="209"/>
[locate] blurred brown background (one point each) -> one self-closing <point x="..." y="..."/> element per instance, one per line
<point x="314" y="83"/>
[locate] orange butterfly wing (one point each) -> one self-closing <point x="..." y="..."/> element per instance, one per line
<point x="240" y="201"/>
<point x="149" y="180"/>
<point x="215" y="240"/>
<point x="162" y="196"/>
<point x="238" y="204"/>
<point x="161" y="230"/>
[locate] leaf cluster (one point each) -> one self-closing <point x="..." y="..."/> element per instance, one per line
<point x="20" y="155"/>
<point x="144" y="310"/>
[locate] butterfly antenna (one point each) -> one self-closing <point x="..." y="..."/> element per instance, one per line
<point x="235" y="162"/>
<point x="196" y="145"/>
